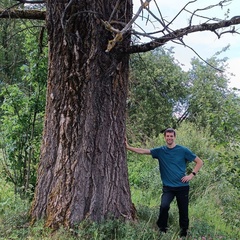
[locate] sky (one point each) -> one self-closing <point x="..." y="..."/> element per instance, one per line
<point x="206" y="43"/>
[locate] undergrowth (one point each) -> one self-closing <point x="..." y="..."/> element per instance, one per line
<point x="206" y="222"/>
<point x="214" y="206"/>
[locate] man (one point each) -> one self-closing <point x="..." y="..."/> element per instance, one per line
<point x="172" y="160"/>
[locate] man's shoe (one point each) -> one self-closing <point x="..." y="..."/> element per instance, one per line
<point x="162" y="230"/>
<point x="183" y="233"/>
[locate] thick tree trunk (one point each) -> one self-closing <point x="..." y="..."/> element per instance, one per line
<point x="83" y="170"/>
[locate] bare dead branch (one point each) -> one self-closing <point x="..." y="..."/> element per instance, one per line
<point x="181" y="11"/>
<point x="119" y="33"/>
<point x="63" y="19"/>
<point x="167" y="34"/>
<point x="23" y="14"/>
<point x="202" y="17"/>
<point x="31" y="2"/>
<point x="114" y="10"/>
<point x="233" y="31"/>
<point x="178" y="34"/>
<point x="198" y="55"/>
<point x="221" y="4"/>
<point x="179" y="40"/>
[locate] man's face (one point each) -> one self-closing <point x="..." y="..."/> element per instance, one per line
<point x="170" y="138"/>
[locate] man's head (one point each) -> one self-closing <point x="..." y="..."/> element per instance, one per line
<point x="170" y="130"/>
<point x="170" y="136"/>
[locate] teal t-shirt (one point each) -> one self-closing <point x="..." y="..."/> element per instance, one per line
<point x="172" y="164"/>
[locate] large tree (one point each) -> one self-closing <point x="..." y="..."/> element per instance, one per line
<point x="83" y="169"/>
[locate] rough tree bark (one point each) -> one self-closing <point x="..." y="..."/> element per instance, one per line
<point x="83" y="169"/>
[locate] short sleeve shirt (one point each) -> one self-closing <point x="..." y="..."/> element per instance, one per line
<point x="172" y="164"/>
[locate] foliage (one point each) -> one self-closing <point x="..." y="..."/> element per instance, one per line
<point x="12" y="55"/>
<point x="156" y="89"/>
<point x="20" y="138"/>
<point x="210" y="103"/>
<point x="6" y="196"/>
<point x="207" y="187"/>
<point x="229" y="164"/>
<point x="214" y="202"/>
<point x="22" y="112"/>
<point x="13" y="213"/>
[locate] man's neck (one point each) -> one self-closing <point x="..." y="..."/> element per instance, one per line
<point x="171" y="146"/>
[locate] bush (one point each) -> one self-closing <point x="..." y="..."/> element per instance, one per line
<point x="14" y="213"/>
<point x="214" y="203"/>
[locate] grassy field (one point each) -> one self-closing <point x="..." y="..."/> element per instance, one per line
<point x="206" y="221"/>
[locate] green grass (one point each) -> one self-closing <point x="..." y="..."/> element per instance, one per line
<point x="206" y="222"/>
<point x="214" y="214"/>
<point x="214" y="210"/>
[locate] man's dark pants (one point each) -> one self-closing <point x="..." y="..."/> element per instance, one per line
<point x="181" y="194"/>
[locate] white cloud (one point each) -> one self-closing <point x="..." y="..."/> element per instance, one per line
<point x="234" y="67"/>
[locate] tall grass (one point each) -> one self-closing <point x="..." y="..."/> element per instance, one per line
<point x="214" y="203"/>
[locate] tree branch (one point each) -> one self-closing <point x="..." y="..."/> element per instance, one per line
<point x="119" y="34"/>
<point x="178" y="34"/>
<point x="23" y="14"/>
<point x="31" y="1"/>
<point x="155" y="42"/>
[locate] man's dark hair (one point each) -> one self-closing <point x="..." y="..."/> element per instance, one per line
<point x="169" y="130"/>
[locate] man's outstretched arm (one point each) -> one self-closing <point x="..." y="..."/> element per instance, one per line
<point x="137" y="150"/>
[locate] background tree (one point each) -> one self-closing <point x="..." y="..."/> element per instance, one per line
<point x="23" y="90"/>
<point x="83" y="171"/>
<point x="157" y="88"/>
<point x="210" y="103"/>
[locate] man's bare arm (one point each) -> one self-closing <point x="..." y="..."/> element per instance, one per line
<point x="197" y="167"/>
<point x="137" y="150"/>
